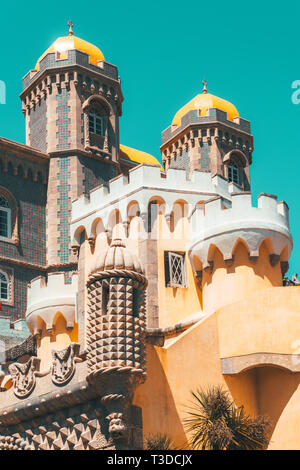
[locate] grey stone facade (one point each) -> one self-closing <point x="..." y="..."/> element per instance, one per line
<point x="38" y="126"/>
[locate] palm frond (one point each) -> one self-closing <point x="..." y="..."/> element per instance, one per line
<point x="214" y="422"/>
<point x="158" y="442"/>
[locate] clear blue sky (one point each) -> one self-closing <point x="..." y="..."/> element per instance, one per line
<point x="247" y="52"/>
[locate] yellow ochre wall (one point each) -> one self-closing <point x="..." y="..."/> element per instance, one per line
<point x="278" y="393"/>
<point x="193" y="360"/>
<point x="244" y="308"/>
<point x="227" y="284"/>
<point x="250" y="308"/>
<point x="186" y="363"/>
<point x="59" y="338"/>
<point x="176" y="303"/>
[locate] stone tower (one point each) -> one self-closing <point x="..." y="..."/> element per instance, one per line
<point x="72" y="103"/>
<point x="207" y="134"/>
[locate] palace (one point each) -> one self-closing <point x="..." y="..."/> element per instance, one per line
<point x="126" y="283"/>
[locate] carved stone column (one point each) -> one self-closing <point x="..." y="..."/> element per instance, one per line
<point x="115" y="333"/>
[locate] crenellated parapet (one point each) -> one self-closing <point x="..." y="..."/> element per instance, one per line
<point x="214" y="224"/>
<point x="47" y="298"/>
<point x="144" y="184"/>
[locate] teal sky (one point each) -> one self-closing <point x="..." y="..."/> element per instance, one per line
<point x="247" y="52"/>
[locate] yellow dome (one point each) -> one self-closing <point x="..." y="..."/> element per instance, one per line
<point x="66" y="43"/>
<point x="203" y="102"/>
<point x="138" y="156"/>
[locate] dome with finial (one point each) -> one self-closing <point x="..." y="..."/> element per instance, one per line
<point x="66" y="43"/>
<point x="203" y="102"/>
<point x="117" y="256"/>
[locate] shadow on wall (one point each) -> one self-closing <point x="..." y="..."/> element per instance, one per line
<point x="273" y="392"/>
<point x="158" y="407"/>
<point x="263" y="268"/>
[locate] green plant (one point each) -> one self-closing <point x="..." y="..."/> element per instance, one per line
<point x="215" y="423"/>
<point x="158" y="442"/>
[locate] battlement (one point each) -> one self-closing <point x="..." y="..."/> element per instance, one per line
<point x="214" y="115"/>
<point x="48" y="297"/>
<point x="268" y="210"/>
<point x="75" y="57"/>
<point x="146" y="182"/>
<point x="216" y="223"/>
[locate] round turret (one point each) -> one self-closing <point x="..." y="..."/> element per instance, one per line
<point x="116" y="257"/>
<point x="239" y="249"/>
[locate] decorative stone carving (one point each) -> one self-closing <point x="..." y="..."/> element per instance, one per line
<point x="117" y="428"/>
<point x="74" y="428"/>
<point x="63" y="364"/>
<point x="23" y="376"/>
<point x="117" y="312"/>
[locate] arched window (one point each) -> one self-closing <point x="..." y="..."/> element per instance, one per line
<point x="5" y="218"/>
<point x="4" y="286"/>
<point x="234" y="173"/>
<point x="95" y="122"/>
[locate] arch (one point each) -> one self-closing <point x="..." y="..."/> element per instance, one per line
<point x="97" y="228"/>
<point x="65" y="324"/>
<point x="156" y="206"/>
<point x="267" y="242"/>
<point x="39" y="326"/>
<point x="235" y="163"/>
<point x="212" y="251"/>
<point x="134" y="226"/>
<point x="94" y="228"/>
<point x="179" y="211"/>
<point x="114" y="218"/>
<point x="101" y="100"/>
<point x="133" y="210"/>
<point x="181" y="203"/>
<point x="239" y="364"/>
<point x="115" y="225"/>
<point x="240" y="241"/>
<point x="200" y="203"/>
<point x="160" y="202"/>
<point x="77" y="235"/>
<point x="236" y="156"/>
<point x="196" y="263"/>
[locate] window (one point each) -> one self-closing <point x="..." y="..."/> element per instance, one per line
<point x="4" y="286"/>
<point x="137" y="299"/>
<point x="234" y="173"/>
<point x="175" y="274"/>
<point x="105" y="297"/>
<point x="152" y="215"/>
<point x="5" y="215"/>
<point x="95" y="122"/>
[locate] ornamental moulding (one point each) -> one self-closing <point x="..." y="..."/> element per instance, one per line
<point x="63" y="364"/>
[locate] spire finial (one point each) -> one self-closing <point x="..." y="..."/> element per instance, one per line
<point x="70" y="24"/>
<point x="204" y="86"/>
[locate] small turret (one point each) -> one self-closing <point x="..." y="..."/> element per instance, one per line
<point x="239" y="249"/>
